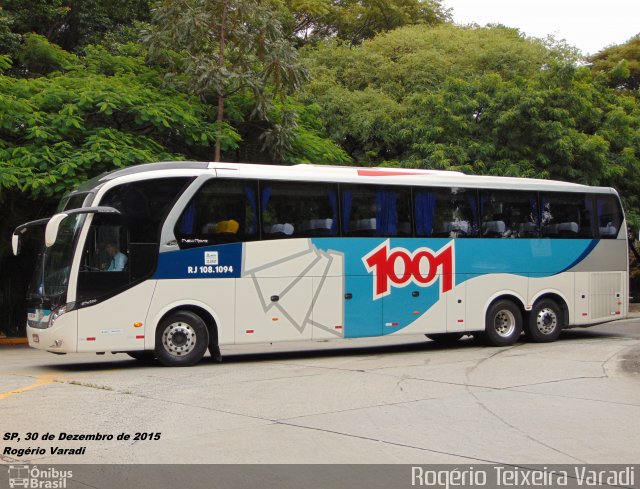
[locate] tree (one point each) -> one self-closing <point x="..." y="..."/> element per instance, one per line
<point x="367" y="91"/>
<point x="73" y="24"/>
<point x="59" y="130"/>
<point x="223" y="48"/>
<point x="621" y="63"/>
<point x="356" y="20"/>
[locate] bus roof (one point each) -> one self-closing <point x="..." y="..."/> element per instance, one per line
<point x="339" y="174"/>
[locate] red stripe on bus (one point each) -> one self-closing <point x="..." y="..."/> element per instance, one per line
<point x="387" y="173"/>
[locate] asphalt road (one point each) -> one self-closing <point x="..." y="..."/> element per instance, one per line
<point x="391" y="400"/>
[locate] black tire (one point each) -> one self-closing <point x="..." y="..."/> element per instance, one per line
<point x="546" y="321"/>
<point x="503" y="324"/>
<point x="181" y="339"/>
<point x="445" y="338"/>
<point x="143" y="356"/>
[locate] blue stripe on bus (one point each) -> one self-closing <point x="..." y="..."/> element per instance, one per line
<point x="583" y="255"/>
<point x="223" y="261"/>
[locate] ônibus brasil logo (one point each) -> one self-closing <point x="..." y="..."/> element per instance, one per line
<point x="398" y="267"/>
<point x="34" y="478"/>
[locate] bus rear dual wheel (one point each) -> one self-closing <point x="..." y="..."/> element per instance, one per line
<point x="504" y="323"/>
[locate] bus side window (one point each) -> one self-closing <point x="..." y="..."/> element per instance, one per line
<point x="221" y="211"/>
<point x="609" y="216"/>
<point x="298" y="209"/>
<point x="454" y="213"/>
<point x="508" y="214"/>
<point x="566" y="215"/>
<point x="376" y="211"/>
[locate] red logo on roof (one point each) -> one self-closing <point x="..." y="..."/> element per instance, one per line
<point x="388" y="173"/>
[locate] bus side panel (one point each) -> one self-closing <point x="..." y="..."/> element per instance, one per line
<point x="599" y="296"/>
<point x="110" y="325"/>
<point x="362" y="316"/>
<point x="581" y="298"/>
<point x="273" y="309"/>
<point x="606" y="298"/>
<point x="275" y="295"/>
<point x="433" y="320"/>
<point x="402" y="307"/>
<point x="562" y="285"/>
<point x="457" y="306"/>
<point x="329" y="301"/>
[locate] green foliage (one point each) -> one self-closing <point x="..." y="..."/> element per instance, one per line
<point x="73" y="24"/>
<point x="38" y="57"/>
<point x="102" y="113"/>
<point x="293" y="136"/>
<point x="222" y="48"/>
<point x="620" y="63"/>
<point x="5" y="63"/>
<point x="356" y="20"/>
<point x="9" y="40"/>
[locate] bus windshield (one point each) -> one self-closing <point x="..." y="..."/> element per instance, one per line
<point x="51" y="276"/>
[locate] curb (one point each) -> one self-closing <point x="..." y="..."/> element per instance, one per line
<point x="13" y="341"/>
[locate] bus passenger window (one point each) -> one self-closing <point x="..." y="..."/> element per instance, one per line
<point x="298" y="209"/>
<point x="450" y="213"/>
<point x="222" y="211"/>
<point x="508" y="214"/>
<point x="566" y="215"/>
<point x="376" y="211"/>
<point x="609" y="216"/>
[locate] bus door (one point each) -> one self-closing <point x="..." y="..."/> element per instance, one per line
<point x="111" y="264"/>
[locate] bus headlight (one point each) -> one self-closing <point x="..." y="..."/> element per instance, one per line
<point x="56" y="313"/>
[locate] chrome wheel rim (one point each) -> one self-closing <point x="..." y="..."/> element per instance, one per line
<point x="546" y="320"/>
<point x="179" y="339"/>
<point x="504" y="323"/>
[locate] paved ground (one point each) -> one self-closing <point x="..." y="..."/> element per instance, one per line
<point x="409" y="401"/>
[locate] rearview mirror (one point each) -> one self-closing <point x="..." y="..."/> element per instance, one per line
<point x="15" y="242"/>
<point x="21" y="230"/>
<point x="51" y="232"/>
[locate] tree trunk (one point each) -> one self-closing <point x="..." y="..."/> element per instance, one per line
<point x="220" y="118"/>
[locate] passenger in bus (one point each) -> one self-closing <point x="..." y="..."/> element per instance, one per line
<point x="118" y="259"/>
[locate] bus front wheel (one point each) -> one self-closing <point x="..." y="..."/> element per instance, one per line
<point x="545" y="322"/>
<point x="181" y="339"/>
<point x="503" y="324"/>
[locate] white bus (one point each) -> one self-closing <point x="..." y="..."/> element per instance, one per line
<point x="170" y="259"/>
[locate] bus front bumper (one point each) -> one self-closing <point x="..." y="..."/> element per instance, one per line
<point x="62" y="337"/>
